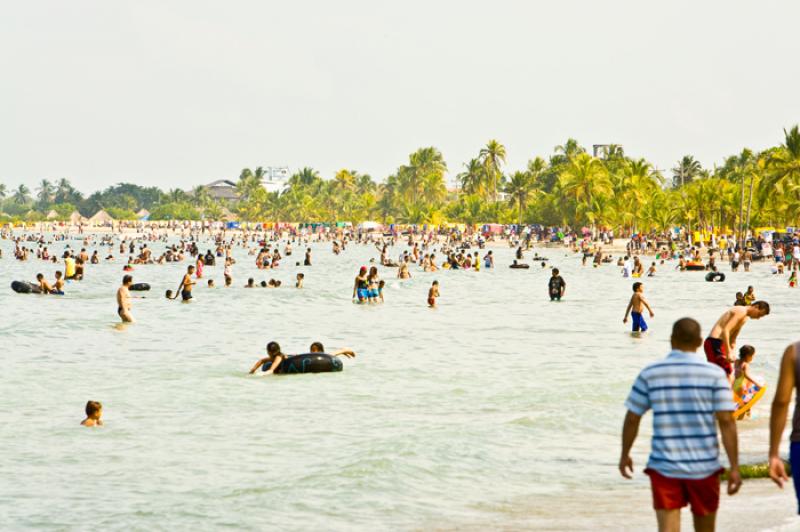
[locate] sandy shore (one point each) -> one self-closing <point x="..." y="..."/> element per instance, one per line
<point x="760" y="505"/>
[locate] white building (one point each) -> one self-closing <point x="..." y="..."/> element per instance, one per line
<point x="276" y="178"/>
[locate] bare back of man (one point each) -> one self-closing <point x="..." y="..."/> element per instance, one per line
<point x="721" y="342"/>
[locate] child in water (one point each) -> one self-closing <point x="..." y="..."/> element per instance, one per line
<point x="274" y="358"/>
<point x="635" y="306"/>
<point x="94" y="411"/>
<point x="299" y="283"/>
<point x="740" y="302"/>
<point x="742" y="370"/>
<point x="381" y="284"/>
<point x="433" y="293"/>
<point x="793" y="279"/>
<point x="749" y="296"/>
<point x="744" y="385"/>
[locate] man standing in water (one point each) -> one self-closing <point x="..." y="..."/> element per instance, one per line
<point x="556" y="286"/>
<point x="721" y="342"/>
<point x="689" y="398"/>
<point x="185" y="289"/>
<point x="124" y="300"/>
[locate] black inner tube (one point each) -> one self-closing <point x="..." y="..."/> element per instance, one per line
<point x="307" y="363"/>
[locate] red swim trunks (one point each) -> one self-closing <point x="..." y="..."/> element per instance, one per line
<point x="715" y="353"/>
<point x="701" y="494"/>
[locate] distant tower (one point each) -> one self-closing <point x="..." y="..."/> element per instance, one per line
<point x="600" y="149"/>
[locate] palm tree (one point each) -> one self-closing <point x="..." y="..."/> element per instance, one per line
<point x="176" y="195"/>
<point x="22" y="195"/>
<point x="345" y="180"/>
<point x="492" y="156"/>
<point x="250" y="181"/>
<point x="783" y="164"/>
<point x="201" y="196"/>
<point x="425" y="164"/>
<point x="434" y="191"/>
<point x="45" y="192"/>
<point x="686" y="171"/>
<point x="304" y="177"/>
<point x="613" y="152"/>
<point x="519" y="188"/>
<point x="471" y="178"/>
<point x="3" y="190"/>
<point x="585" y="179"/>
<point x="570" y="149"/>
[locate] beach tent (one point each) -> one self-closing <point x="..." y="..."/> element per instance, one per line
<point x="75" y="218"/>
<point x="143" y="214"/>
<point x="52" y="215"/>
<point x="101" y="217"/>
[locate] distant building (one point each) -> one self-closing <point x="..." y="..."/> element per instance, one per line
<point x="276" y="179"/>
<point x="222" y="190"/>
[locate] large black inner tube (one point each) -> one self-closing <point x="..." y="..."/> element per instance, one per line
<point x="307" y="363"/>
<point x="23" y="287"/>
<point x="715" y="277"/>
<point x="139" y="287"/>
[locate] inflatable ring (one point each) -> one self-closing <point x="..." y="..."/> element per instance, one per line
<point x="744" y="404"/>
<point x="139" y="287"/>
<point x="23" y="287"/>
<point x="307" y="363"/>
<point x="695" y="266"/>
<point x="715" y="277"/>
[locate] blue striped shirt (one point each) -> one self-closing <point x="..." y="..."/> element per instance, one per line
<point x="684" y="391"/>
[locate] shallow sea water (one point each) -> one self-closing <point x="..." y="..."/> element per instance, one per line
<point x="487" y="412"/>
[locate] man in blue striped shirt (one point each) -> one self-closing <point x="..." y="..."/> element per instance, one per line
<point x="689" y="398"/>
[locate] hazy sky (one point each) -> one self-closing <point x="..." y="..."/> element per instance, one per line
<point x="179" y="93"/>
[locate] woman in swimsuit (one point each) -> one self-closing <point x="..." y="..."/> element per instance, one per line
<point x="361" y="285"/>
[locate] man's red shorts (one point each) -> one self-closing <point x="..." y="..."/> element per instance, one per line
<point x="717" y="354"/>
<point x="675" y="493"/>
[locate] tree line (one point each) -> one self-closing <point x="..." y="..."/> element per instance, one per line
<point x="569" y="187"/>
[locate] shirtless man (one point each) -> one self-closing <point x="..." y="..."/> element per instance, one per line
<point x="124" y="300"/>
<point x="721" y="342"/>
<point x="185" y="289"/>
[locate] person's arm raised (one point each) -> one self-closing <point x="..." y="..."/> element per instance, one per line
<point x="780" y="409"/>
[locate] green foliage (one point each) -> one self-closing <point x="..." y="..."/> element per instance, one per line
<point x="121" y="214"/>
<point x="174" y="211"/>
<point x="570" y="187"/>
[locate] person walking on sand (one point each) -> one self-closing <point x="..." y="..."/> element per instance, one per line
<point x="124" y="300"/>
<point x="788" y="382"/>
<point x="689" y="398"/>
<point x="721" y="342"/>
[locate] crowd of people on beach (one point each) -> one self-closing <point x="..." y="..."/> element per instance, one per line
<point x="689" y="394"/>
